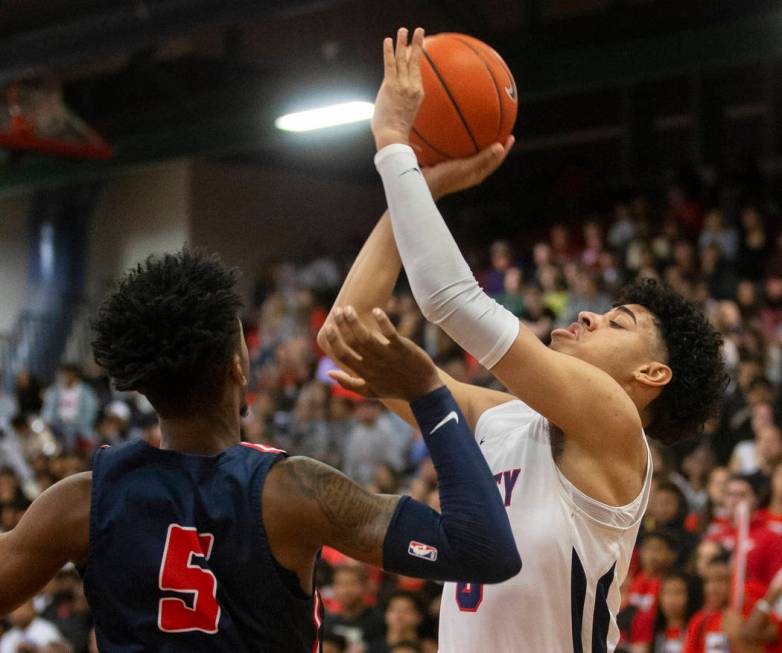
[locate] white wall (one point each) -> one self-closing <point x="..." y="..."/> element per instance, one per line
<point x="13" y="258"/>
<point x="144" y="211"/>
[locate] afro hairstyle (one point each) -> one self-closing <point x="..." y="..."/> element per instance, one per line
<point x="694" y="354"/>
<point x="169" y="330"/>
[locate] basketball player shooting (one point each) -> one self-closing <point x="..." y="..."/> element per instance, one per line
<point x="209" y="544"/>
<point x="566" y="442"/>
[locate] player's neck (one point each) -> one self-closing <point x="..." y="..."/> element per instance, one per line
<point x="204" y="434"/>
<point x="775" y="507"/>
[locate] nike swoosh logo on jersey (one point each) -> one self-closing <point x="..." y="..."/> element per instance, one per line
<point x="450" y="416"/>
<point x="416" y="169"/>
<point x="510" y="89"/>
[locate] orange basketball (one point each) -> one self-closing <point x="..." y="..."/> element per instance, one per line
<point x="470" y="99"/>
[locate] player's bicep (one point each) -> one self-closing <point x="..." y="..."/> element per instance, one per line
<point x="310" y="505"/>
<point x="53" y="531"/>
<point x="581" y="399"/>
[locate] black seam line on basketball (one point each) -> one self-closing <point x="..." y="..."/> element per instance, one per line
<point x="493" y="81"/>
<point x="455" y="106"/>
<point x="428" y="144"/>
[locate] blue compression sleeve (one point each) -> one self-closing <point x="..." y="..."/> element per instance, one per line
<point x="471" y="540"/>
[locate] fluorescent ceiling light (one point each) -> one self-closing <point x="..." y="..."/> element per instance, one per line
<point x="336" y="114"/>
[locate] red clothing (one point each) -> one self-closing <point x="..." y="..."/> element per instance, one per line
<point x="704" y="634"/>
<point x="644" y="591"/>
<point x="764" y="557"/>
<point x="642" y="628"/>
<point x="773" y="520"/>
<point x="643" y="633"/>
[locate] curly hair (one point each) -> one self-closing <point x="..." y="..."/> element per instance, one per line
<point x="694" y="355"/>
<point x="169" y="330"/>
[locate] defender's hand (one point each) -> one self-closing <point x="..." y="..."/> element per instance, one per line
<point x="388" y="366"/>
<point x="459" y="174"/>
<point x="402" y="90"/>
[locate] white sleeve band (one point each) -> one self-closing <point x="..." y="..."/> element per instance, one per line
<point x="441" y="281"/>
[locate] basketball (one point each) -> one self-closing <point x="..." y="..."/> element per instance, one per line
<point x="470" y="99"/>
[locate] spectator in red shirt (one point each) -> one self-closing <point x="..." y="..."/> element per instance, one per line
<point x="658" y="553"/>
<point x="704" y="632"/>
<point x="772" y="514"/>
<point x="764" y="624"/>
<point x="764" y="555"/>
<point x="715" y="515"/>
<point x="681" y="596"/>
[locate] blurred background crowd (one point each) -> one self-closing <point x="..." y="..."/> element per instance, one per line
<point x="721" y="249"/>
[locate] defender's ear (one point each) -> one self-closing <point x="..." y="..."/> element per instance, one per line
<point x="237" y="374"/>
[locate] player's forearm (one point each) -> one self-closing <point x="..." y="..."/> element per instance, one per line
<point x="471" y="540"/>
<point x="441" y="280"/>
<point x="371" y="278"/>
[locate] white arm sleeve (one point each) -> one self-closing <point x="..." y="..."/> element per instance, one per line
<point x="441" y="281"/>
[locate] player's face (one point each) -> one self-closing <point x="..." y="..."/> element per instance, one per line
<point x="620" y="342"/>
<point x="673" y="598"/>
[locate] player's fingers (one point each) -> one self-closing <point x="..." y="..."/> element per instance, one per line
<point x="414" y="58"/>
<point x="386" y="327"/>
<point x="401" y="54"/>
<point x="389" y="63"/>
<point x="362" y="335"/>
<point x="353" y="383"/>
<point x="345" y="332"/>
<point x="340" y="350"/>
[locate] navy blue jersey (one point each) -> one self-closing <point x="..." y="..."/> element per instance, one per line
<point x="179" y="559"/>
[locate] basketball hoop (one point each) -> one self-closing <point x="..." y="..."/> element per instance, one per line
<point x="35" y="119"/>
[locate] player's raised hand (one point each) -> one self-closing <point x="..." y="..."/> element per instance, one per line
<point x="459" y="174"/>
<point x="402" y="90"/>
<point x="388" y="366"/>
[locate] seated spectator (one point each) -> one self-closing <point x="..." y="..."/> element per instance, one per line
<point x="586" y="296"/>
<point x="357" y="622"/>
<point x="764" y="555"/>
<point x="27" y="628"/>
<point x="501" y="257"/>
<point x="512" y="296"/>
<point x="772" y="514"/>
<point x="697" y="467"/>
<point x="668" y="510"/>
<point x="664" y="630"/>
<point x="764" y="624"/>
<point x="332" y="643"/>
<point x="70" y="408"/>
<point x="760" y="454"/>
<point x="536" y="315"/>
<point x="372" y="441"/>
<point x="404" y="616"/>
<point x="29" y="399"/>
<point x="705" y="630"/>
<point x="658" y="553"/>
<point x="705" y="552"/>
<point x="714" y="232"/>
<point x="714" y="515"/>
<point x="12" y="456"/>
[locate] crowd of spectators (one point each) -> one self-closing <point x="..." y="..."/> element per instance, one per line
<point x="681" y="594"/>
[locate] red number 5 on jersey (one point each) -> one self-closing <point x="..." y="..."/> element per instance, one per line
<point x="179" y="574"/>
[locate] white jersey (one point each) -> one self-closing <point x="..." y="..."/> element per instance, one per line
<point x="575" y="552"/>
